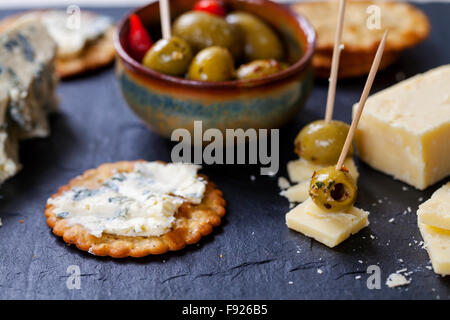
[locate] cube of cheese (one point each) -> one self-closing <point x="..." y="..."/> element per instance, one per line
<point x="404" y="130"/>
<point x="298" y="192"/>
<point x="436" y="211"/>
<point x="325" y="227"/>
<point x="437" y="242"/>
<point x="301" y="171"/>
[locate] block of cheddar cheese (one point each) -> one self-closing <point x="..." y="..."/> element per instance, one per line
<point x="437" y="242"/>
<point x="405" y="129"/>
<point x="436" y="210"/>
<point x="329" y="228"/>
<point x="434" y="224"/>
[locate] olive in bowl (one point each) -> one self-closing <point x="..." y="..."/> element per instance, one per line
<point x="202" y="30"/>
<point x="212" y="64"/>
<point x="169" y="56"/>
<point x="165" y="102"/>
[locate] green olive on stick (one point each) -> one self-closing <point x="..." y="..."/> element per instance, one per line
<point x="333" y="190"/>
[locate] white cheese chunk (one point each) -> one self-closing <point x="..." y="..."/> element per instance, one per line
<point x="329" y="228"/>
<point x="437" y="243"/>
<point x="436" y="210"/>
<point x="140" y="203"/>
<point x="405" y="129"/>
<point x="397" y="280"/>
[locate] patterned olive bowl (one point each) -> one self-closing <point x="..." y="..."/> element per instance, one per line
<point x="166" y="103"/>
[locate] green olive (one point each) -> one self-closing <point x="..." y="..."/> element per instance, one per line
<point x="321" y="142"/>
<point x="333" y="190"/>
<point x="259" y="69"/>
<point x="202" y="30"/>
<point x="169" y="56"/>
<point x="261" y="42"/>
<point x="212" y="64"/>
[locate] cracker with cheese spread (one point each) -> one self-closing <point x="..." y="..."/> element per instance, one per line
<point x="135" y="208"/>
<point x="364" y="25"/>
<point x="82" y="46"/>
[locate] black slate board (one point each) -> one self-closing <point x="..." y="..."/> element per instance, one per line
<point x="261" y="257"/>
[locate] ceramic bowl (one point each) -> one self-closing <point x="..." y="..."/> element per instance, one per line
<point x="166" y="103"/>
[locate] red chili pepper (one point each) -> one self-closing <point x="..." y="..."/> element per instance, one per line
<point x="139" y="40"/>
<point x="211" y="6"/>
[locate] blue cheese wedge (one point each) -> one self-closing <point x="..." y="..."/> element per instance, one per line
<point x="27" y="85"/>
<point x="142" y="202"/>
<point x="27" y="54"/>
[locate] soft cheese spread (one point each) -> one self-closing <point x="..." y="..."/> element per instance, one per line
<point x="138" y="203"/>
<point x="72" y="36"/>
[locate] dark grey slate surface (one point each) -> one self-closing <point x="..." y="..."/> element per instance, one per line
<point x="260" y="255"/>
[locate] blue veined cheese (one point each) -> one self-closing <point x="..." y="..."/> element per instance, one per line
<point x="27" y="55"/>
<point x="72" y="36"/>
<point x="139" y="203"/>
<point x="9" y="164"/>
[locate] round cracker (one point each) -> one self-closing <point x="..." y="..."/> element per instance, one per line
<point x="98" y="54"/>
<point x="191" y="221"/>
<point x="407" y="26"/>
<point x="351" y="65"/>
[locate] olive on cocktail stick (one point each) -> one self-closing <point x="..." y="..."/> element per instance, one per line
<point x="332" y="188"/>
<point x="321" y="141"/>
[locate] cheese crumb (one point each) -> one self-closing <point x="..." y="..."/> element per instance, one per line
<point x="358" y="277"/>
<point x="401" y="270"/>
<point x="319" y="271"/>
<point x="396" y="280"/>
<point x="283" y="183"/>
<point x="391" y="220"/>
<point x="290" y="282"/>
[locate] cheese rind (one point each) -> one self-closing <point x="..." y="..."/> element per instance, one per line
<point x="405" y="129"/>
<point x="325" y="227"/>
<point x="437" y="242"/>
<point x="436" y="210"/>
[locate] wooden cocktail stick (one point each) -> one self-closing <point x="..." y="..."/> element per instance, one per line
<point x="335" y="63"/>
<point x="362" y="101"/>
<point x="164" y="13"/>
